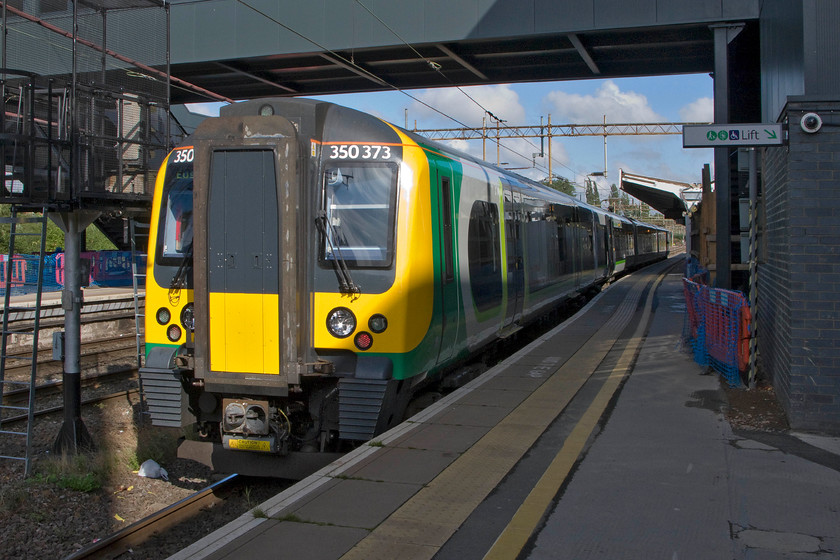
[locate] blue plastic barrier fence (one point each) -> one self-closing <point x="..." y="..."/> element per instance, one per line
<point x="717" y="325"/>
<point x="107" y="268"/>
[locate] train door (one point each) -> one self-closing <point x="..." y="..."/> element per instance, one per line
<point x="576" y="246"/>
<point x="599" y="254"/>
<point x="243" y="279"/>
<point x="513" y="244"/>
<point x="447" y="285"/>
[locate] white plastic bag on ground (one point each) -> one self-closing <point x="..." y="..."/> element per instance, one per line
<point x="150" y="469"/>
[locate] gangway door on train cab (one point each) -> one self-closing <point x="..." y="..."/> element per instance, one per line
<point x="243" y="278"/>
<point x="245" y="246"/>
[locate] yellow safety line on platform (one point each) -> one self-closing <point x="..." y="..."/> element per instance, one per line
<point x="515" y="536"/>
<point x="425" y="522"/>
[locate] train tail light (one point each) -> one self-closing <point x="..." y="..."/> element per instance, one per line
<point x="173" y="333"/>
<point x="363" y="340"/>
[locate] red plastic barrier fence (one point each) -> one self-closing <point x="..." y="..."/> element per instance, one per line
<point x="718" y="328"/>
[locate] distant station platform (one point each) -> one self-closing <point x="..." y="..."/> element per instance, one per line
<point x="96" y="300"/>
<point x="602" y="439"/>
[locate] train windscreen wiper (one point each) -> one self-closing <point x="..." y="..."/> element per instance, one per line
<point x="342" y="271"/>
<point x="179" y="281"/>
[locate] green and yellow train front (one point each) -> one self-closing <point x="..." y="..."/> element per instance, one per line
<point x="325" y="285"/>
<point x="169" y="308"/>
<point x="385" y="263"/>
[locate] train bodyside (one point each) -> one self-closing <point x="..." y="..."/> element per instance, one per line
<point x="341" y="262"/>
<point x="652" y="243"/>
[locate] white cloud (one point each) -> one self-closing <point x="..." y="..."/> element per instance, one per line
<point x="466" y="106"/>
<point x="618" y="106"/>
<point x="470" y="147"/>
<point x="699" y="110"/>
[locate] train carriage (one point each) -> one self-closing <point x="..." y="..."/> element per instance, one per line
<point x="312" y="267"/>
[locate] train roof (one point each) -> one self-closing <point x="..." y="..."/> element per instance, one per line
<point x="309" y="116"/>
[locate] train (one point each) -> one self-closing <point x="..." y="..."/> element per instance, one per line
<point x="312" y="268"/>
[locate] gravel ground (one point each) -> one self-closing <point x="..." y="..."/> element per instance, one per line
<point x="47" y="516"/>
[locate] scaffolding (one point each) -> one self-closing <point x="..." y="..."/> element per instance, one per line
<point x="85" y="91"/>
<point x="84" y="126"/>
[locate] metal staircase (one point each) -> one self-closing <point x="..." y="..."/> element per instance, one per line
<point x="10" y="449"/>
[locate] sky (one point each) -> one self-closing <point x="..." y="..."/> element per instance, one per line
<point x="683" y="98"/>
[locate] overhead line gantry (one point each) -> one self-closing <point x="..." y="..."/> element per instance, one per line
<point x="542" y="131"/>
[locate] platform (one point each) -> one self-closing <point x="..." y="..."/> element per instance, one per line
<point x="602" y="439"/>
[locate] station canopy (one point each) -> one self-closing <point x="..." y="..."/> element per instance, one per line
<point x="671" y="198"/>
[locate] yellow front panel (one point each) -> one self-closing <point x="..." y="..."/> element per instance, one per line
<point x="408" y="304"/>
<point x="244" y="333"/>
<point x="157" y="296"/>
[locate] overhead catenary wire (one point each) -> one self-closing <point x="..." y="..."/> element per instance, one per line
<point x="367" y="73"/>
<point x="370" y="75"/>
<point x="437" y="68"/>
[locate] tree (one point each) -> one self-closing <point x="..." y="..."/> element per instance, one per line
<point x="560" y="184"/>
<point x="592" y="195"/>
<point x="624" y="202"/>
<point x="96" y="240"/>
<point x="615" y="199"/>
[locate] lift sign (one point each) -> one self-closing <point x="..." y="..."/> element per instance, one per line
<point x="720" y="135"/>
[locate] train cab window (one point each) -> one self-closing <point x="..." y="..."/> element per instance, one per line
<point x="175" y="235"/>
<point x="359" y="214"/>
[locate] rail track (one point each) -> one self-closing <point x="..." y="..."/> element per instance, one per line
<point x="105" y="363"/>
<point x="160" y="521"/>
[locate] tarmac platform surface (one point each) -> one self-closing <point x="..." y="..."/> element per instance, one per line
<point x="602" y="439"/>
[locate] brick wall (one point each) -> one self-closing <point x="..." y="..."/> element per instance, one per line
<point x="799" y="272"/>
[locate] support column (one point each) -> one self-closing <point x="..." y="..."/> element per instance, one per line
<point x="73" y="436"/>
<point x="724" y="34"/>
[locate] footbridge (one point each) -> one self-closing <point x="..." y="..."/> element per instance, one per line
<point x="246" y="48"/>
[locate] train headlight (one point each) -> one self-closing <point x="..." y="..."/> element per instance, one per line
<point x="163" y="316"/>
<point x="188" y="317"/>
<point x="378" y="323"/>
<point x="173" y="333"/>
<point x="341" y="322"/>
<point x="363" y="340"/>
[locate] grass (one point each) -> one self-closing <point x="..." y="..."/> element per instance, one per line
<point x="90" y="472"/>
<point x="82" y="473"/>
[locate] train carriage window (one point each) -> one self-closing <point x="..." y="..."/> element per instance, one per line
<point x="359" y="212"/>
<point x="484" y="255"/>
